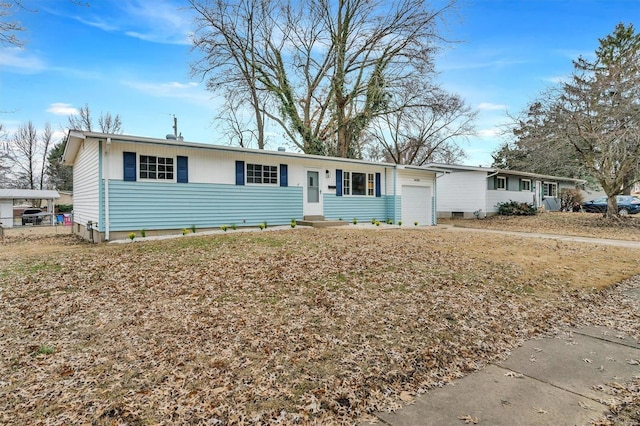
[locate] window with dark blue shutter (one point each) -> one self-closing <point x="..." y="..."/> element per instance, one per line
<point x="183" y="170"/>
<point x="129" y="161"/>
<point x="338" y="182"/>
<point x="378" y="181"/>
<point x="284" y="175"/>
<point x="239" y="172"/>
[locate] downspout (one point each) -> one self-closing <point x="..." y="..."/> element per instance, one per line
<point x="105" y="172"/>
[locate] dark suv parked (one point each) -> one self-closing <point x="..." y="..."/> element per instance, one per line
<point x="34" y="216"/>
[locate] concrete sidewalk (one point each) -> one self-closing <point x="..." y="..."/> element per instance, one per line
<point x="566" y="238"/>
<point x="550" y="381"/>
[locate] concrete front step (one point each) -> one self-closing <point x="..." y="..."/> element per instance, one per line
<point x="322" y="223"/>
<point x="313" y="218"/>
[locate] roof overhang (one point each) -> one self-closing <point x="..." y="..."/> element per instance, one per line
<point x="539" y="176"/>
<point x="76" y="138"/>
<point x="28" y="194"/>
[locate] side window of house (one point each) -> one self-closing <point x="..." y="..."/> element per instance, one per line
<point x="156" y="168"/>
<point x="525" y="185"/>
<point x="501" y="183"/>
<point x="346" y="183"/>
<point x="263" y="174"/>
<point x="550" y="189"/>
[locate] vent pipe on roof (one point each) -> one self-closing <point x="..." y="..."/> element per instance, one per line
<point x="281" y="149"/>
<point x="172" y="137"/>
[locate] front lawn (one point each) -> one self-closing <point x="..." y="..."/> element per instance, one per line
<point x="304" y="325"/>
<point x="577" y="224"/>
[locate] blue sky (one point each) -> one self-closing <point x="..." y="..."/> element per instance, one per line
<point x="132" y="58"/>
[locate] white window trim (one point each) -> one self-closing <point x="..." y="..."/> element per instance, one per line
<point x="528" y="181"/>
<point x="555" y="184"/>
<point x="139" y="171"/>
<point x="503" y="179"/>
<point x="246" y="175"/>
<point x="366" y="184"/>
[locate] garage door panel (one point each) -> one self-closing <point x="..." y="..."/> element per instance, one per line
<point x="416" y="204"/>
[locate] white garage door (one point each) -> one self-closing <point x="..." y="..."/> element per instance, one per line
<point x="416" y="205"/>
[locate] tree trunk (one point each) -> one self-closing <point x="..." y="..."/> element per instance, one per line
<point x="612" y="207"/>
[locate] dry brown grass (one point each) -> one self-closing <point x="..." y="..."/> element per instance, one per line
<point x="577" y="224"/>
<point x="301" y="326"/>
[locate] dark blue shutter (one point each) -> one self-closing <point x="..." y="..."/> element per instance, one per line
<point x="239" y="172"/>
<point x="378" y="179"/>
<point x="284" y="175"/>
<point x="129" y="161"/>
<point x="339" y="182"/>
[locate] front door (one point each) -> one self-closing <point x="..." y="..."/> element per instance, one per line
<point x="313" y="194"/>
<point x="538" y="194"/>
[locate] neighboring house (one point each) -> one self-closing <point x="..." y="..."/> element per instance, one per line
<point x="9" y="196"/>
<point x="66" y="197"/>
<point x="465" y="190"/>
<point x="124" y="184"/>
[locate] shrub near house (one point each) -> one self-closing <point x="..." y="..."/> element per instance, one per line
<point x="516" y="208"/>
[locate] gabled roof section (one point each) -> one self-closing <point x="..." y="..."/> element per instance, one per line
<point x="461" y="167"/>
<point x="28" y="194"/>
<point x="76" y="137"/>
<point x="74" y="141"/>
<point x="493" y="170"/>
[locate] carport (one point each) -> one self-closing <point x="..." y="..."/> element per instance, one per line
<point x="8" y="196"/>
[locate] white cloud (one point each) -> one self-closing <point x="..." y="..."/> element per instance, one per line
<point x="488" y="106"/>
<point x="488" y="133"/>
<point x="97" y="23"/>
<point x="20" y="61"/>
<point x="59" y="135"/>
<point x="59" y="108"/>
<point x="190" y="92"/>
<point x="160" y="21"/>
<point x="559" y="79"/>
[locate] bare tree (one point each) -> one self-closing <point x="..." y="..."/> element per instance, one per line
<point x="84" y="121"/>
<point x="424" y="125"/>
<point x="536" y="146"/>
<point x="45" y="145"/>
<point x="321" y="69"/>
<point x="230" y="62"/>
<point x="236" y="122"/>
<point x="8" y="25"/>
<point x="28" y="153"/>
<point x="5" y="167"/>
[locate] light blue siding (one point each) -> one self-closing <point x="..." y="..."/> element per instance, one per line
<point x="362" y="208"/>
<point x="149" y="205"/>
<point x="394" y="204"/>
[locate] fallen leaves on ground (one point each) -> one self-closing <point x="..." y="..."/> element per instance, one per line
<point x="294" y="327"/>
<point x="468" y="419"/>
<point x="576" y="224"/>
